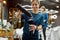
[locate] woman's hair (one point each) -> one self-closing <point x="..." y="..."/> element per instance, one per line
<point x="43" y="7"/>
<point x="36" y="1"/>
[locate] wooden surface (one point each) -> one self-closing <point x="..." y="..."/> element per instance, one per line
<point x="4" y="33"/>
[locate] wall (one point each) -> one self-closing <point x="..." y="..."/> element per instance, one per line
<point x="57" y="21"/>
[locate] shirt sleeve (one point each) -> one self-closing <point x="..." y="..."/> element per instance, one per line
<point x="45" y="20"/>
<point x="24" y="18"/>
<point x="46" y="17"/>
<point x="41" y="20"/>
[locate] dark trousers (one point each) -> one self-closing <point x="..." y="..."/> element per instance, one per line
<point x="44" y="34"/>
<point x="30" y="36"/>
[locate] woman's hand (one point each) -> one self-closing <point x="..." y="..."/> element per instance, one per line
<point x="18" y="14"/>
<point x="39" y="27"/>
<point x="32" y="27"/>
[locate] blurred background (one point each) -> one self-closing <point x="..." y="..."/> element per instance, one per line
<point x="8" y="12"/>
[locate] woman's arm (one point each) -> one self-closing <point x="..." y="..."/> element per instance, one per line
<point x="18" y="15"/>
<point x="39" y="27"/>
<point x="34" y="27"/>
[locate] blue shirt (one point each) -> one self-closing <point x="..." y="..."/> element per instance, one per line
<point x="37" y="19"/>
<point x="45" y="19"/>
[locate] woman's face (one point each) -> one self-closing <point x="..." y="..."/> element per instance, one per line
<point x="42" y="9"/>
<point x="35" y="5"/>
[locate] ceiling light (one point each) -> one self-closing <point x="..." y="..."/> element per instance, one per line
<point x="56" y="11"/>
<point x="57" y="0"/>
<point x="57" y="6"/>
<point x="4" y="2"/>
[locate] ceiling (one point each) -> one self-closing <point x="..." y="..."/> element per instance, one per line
<point x="12" y="3"/>
<point x="50" y="4"/>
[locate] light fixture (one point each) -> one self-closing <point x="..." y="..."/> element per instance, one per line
<point x="51" y="11"/>
<point x="4" y="1"/>
<point x="56" y="11"/>
<point x="31" y="0"/>
<point x="57" y="0"/>
<point x="57" y="6"/>
<point x="42" y="0"/>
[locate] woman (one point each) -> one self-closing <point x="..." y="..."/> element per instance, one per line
<point x="37" y="19"/>
<point x="45" y="20"/>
